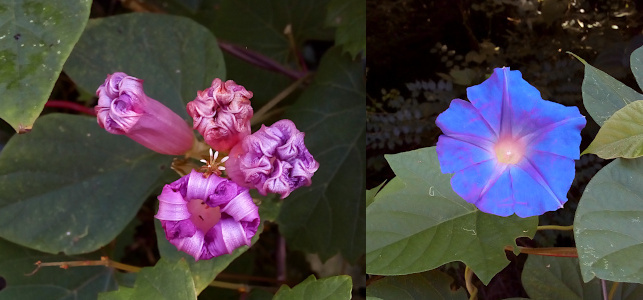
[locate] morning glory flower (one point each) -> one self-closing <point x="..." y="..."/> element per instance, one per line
<point x="123" y="108"/>
<point x="273" y="160"/>
<point x="207" y="217"/>
<point x="222" y="113"/>
<point x="511" y="151"/>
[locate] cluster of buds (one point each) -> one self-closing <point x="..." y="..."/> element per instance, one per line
<point x="204" y="214"/>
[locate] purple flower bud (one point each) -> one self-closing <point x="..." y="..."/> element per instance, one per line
<point x="222" y="114"/>
<point x="123" y="108"/>
<point x="207" y="217"/>
<point x="273" y="160"/>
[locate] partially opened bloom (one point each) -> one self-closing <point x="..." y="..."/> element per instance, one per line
<point x="222" y="114"/>
<point x="273" y="160"/>
<point x="511" y="151"/>
<point x="123" y="108"/>
<point x="207" y="217"/>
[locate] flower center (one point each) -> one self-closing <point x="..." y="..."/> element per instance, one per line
<point x="203" y="216"/>
<point x="509" y="151"/>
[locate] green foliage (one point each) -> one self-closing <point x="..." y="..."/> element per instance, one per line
<point x="418" y="223"/>
<point x="609" y="246"/>
<point x="202" y="271"/>
<point x="427" y="285"/>
<point x="557" y="278"/>
<point x="330" y="288"/>
<point x="329" y="216"/>
<point x="350" y="19"/>
<point x="554" y="278"/>
<point x="50" y="282"/>
<point x="37" y="37"/>
<point x="621" y="135"/>
<point x="70" y="186"/>
<point x="603" y="95"/>
<point x="175" y="56"/>
<point x="165" y="281"/>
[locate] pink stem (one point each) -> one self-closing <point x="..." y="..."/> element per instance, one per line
<point x="259" y="60"/>
<point x="71" y="105"/>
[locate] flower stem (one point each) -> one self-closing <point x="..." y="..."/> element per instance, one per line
<point x="468" y="279"/>
<point x="72" y="106"/>
<point x="555" y="227"/>
<point x="604" y="289"/>
<point x="260" y="115"/>
<point x="553" y="251"/>
<point x="106" y="262"/>
<point x="613" y="290"/>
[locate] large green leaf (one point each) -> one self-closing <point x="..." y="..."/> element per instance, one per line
<point x="174" y="55"/>
<point x="420" y="223"/>
<point x="49" y="282"/>
<point x="607" y="226"/>
<point x="329" y="215"/>
<point x="330" y="288"/>
<point x="70" y="186"/>
<point x="259" y="24"/>
<point x="350" y="19"/>
<point x="556" y="278"/>
<point x="37" y="37"/>
<point x="636" y="62"/>
<point x="427" y="285"/>
<point x="165" y="281"/>
<point x="546" y="277"/>
<point x="202" y="271"/>
<point x="603" y="95"/>
<point x="621" y="135"/>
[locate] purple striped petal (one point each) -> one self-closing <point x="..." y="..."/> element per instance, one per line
<point x="205" y="217"/>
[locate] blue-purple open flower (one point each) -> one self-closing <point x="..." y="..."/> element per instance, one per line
<point x="511" y="151"/>
<point x="207" y="217"/>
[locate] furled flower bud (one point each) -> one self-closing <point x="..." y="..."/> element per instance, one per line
<point x="123" y="108"/>
<point x="222" y="114"/>
<point x="207" y="217"/>
<point x="273" y="160"/>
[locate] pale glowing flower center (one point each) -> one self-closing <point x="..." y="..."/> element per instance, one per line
<point x="509" y="151"/>
<point x="203" y="216"/>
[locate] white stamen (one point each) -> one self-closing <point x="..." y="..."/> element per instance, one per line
<point x="221" y="168"/>
<point x="204" y="161"/>
<point x="216" y="154"/>
<point x="224" y="159"/>
<point x="210" y="152"/>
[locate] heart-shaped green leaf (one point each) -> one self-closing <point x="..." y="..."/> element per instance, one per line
<point x="608" y="221"/>
<point x="328" y="216"/>
<point x="426" y="285"/>
<point x="603" y="95"/>
<point x="36" y="39"/>
<point x="330" y="288"/>
<point x="70" y="186"/>
<point x="418" y="223"/>
<point x="202" y="271"/>
<point x="350" y="19"/>
<point x="165" y="281"/>
<point x="50" y="282"/>
<point x="175" y="56"/>
<point x="621" y="135"/>
<point x="545" y="277"/>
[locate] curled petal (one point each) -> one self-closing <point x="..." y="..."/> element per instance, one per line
<point x="273" y="160"/>
<point x="123" y="108"/>
<point x="178" y="229"/>
<point x="204" y="217"/>
<point x="222" y="114"/>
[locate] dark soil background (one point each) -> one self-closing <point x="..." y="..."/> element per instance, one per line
<point x="423" y="54"/>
